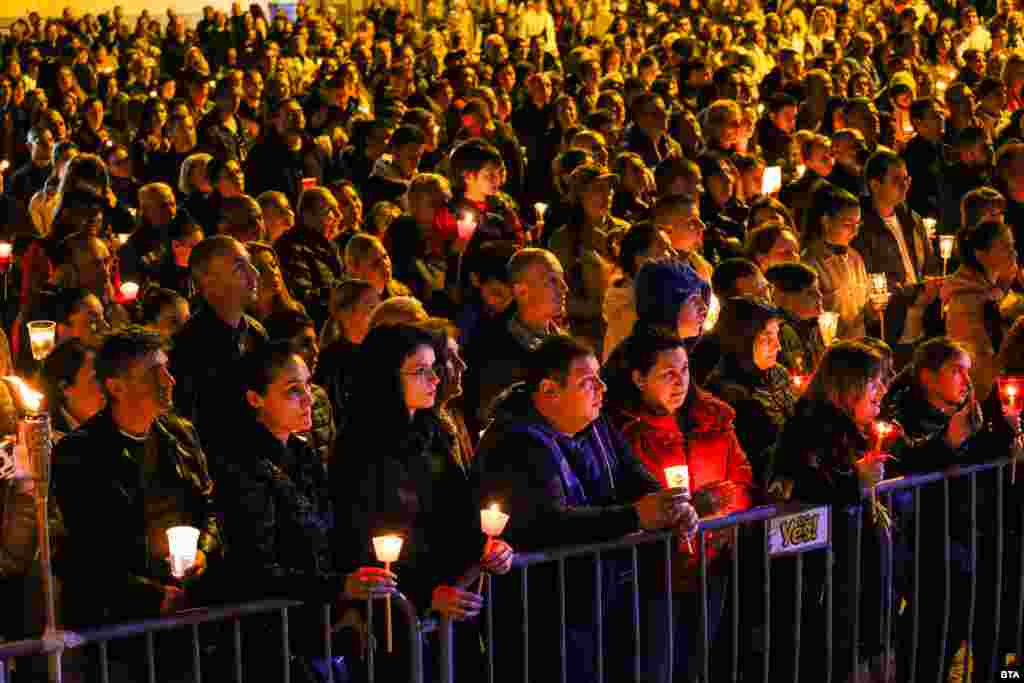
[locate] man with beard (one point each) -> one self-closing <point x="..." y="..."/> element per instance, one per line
<point x="286" y="157"/>
<point x="121" y="480"/>
<point x="207" y="350"/>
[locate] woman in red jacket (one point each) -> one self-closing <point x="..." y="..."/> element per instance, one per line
<point x="668" y="421"/>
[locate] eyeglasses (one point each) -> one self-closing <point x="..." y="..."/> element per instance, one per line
<point x="426" y="374"/>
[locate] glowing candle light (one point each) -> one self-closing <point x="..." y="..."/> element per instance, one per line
<point x="466" y="225"/>
<point x="799" y="380"/>
<point x="678" y="477"/>
<point x="771" y="182"/>
<point x="946" y="243"/>
<point x="184" y="544"/>
<point x="493" y="521"/>
<point x="929" y="227"/>
<point x="541" y="208"/>
<point x="129" y="292"/>
<point x="42" y="336"/>
<point x="387" y="549"/>
<point x="6" y="250"/>
<point x="828" y="323"/>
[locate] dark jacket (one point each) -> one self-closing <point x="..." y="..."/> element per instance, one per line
<point x="881" y="253"/>
<point x="223" y="143"/>
<point x="775" y="143"/>
<point x="408" y="483"/>
<point x="802" y="346"/>
<point x="278" y="518"/>
<point x="118" y="497"/>
<point x="925" y="163"/>
<point x="203" y="360"/>
<point x="653" y="153"/>
<point x="310" y="264"/>
<point x="272" y="166"/>
<point x="321" y="436"/>
<point x="559" y="490"/>
<point x="334" y="371"/>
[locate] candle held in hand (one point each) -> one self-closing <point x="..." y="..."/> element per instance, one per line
<point x="493" y="521"/>
<point x="678" y="477"/>
<point x="184" y="543"/>
<point x="387" y="548"/>
<point x="42" y="336"/>
<point x="129" y="291"/>
<point x="466" y="225"/>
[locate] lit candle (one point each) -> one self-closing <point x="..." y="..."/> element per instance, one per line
<point x="1009" y="395"/>
<point x="714" y="310"/>
<point x="6" y="249"/>
<point x="946" y="243"/>
<point x="466" y="225"/>
<point x="828" y="323"/>
<point x="129" y="292"/>
<point x="678" y="477"/>
<point x="541" y="208"/>
<point x="800" y="380"/>
<point x="120" y="238"/>
<point x="42" y="336"/>
<point x="31" y="400"/>
<point x="929" y="227"/>
<point x="879" y="283"/>
<point x="493" y="521"/>
<point x="387" y="549"/>
<point x="772" y="180"/>
<point x="184" y="543"/>
<point x="800" y="170"/>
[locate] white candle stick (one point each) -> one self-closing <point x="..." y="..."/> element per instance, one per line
<point x="387" y="549"/>
<point x="492" y="521"/>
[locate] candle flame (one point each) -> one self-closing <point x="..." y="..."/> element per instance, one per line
<point x="30" y="398"/>
<point x="495" y="508"/>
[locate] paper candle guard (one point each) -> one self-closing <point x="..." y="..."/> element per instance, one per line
<point x="184" y="543"/>
<point x="387" y="549"/>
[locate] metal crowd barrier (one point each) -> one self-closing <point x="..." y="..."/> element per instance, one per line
<point x="101" y="636"/>
<point x="792" y="525"/>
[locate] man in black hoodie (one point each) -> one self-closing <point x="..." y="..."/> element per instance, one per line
<point x="566" y="477"/>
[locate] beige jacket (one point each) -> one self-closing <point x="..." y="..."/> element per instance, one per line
<point x="844" y="283"/>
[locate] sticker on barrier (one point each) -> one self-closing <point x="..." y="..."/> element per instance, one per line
<point x="799" y="532"/>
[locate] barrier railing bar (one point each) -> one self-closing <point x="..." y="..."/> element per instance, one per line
<point x="702" y="575"/>
<point x="562" y="649"/>
<point x="997" y="622"/>
<point x="973" y="589"/>
<point x="947" y="575"/>
<point x="197" y="671"/>
<point x="328" y="644"/>
<point x="150" y="658"/>
<point x="767" y="605"/>
<point x="830" y="557"/>
<point x="953" y="472"/>
<point x="490" y="632"/>
<point x="599" y="615"/>
<point x="668" y="612"/>
<point x="3" y="671"/>
<point x="916" y="589"/>
<point x="286" y="650"/>
<point x="858" y="514"/>
<point x="798" y="610"/>
<point x="104" y="663"/>
<point x="890" y="597"/>
<point x="236" y="628"/>
<point x="637" y="661"/>
<point x="371" y="644"/>
<point x="1020" y="594"/>
<point x="447" y="655"/>
<point x="526" y="624"/>
<point x="735" y="588"/>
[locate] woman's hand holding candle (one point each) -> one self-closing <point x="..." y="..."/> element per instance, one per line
<point x="456" y="603"/>
<point x="497" y="557"/>
<point x="370" y="581"/>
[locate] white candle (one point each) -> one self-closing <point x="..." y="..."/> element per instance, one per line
<point x="493" y="520"/>
<point x="678" y="477"/>
<point x="714" y="309"/>
<point x="31" y="400"/>
<point x="929" y="227"/>
<point x="5" y="250"/>
<point x="129" y="291"/>
<point x="42" y="336"/>
<point x="184" y="542"/>
<point x="466" y="226"/>
<point x="387" y="548"/>
<point x="828" y="322"/>
<point x="772" y="180"/>
<point x="946" y="243"/>
<point x="541" y="208"/>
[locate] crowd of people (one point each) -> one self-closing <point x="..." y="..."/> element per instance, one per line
<point x="321" y="278"/>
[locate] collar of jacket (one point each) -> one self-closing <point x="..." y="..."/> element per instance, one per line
<point x="523" y="335"/>
<point x="911" y="409"/>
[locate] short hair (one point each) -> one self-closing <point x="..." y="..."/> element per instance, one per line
<point x="811" y="142"/>
<point x="207" y="250"/>
<point x="524" y="259"/>
<point x="150" y="190"/>
<point x="638" y="238"/>
<point x="552" y="360"/>
<point x="932" y="354"/>
<point x="780" y="101"/>
<point x="428" y="182"/>
<point x="271" y="200"/>
<point x="671" y="205"/>
<point x="791" y="278"/>
<point x="407" y="135"/>
<point x="761" y="239"/>
<point x="723" y="279"/>
<point x="398" y="310"/>
<point x="673" y="168"/>
<point x="979" y="237"/>
<point x="285" y="325"/>
<point x="490" y="262"/>
<point x="470" y="157"/>
<point x="978" y="202"/>
<point x="879" y="163"/>
<point x="236" y="218"/>
<point x="156" y="299"/>
<point x="122" y="348"/>
<point x="347" y="292"/>
<point x="360" y="246"/>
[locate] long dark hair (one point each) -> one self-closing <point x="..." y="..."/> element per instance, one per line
<point x="638" y="352"/>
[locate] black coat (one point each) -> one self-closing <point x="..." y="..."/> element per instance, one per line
<point x="118" y="498"/>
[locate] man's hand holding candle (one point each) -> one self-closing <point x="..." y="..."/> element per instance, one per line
<point x="497" y="557"/>
<point x="367" y="581"/>
<point x="456" y="603"/>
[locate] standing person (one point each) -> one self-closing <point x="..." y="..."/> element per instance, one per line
<point x="797" y="292"/>
<point x="749" y="378"/>
<point x="566" y="477"/>
<point x="352" y="304"/>
<point x="286" y="156"/>
<point x="279" y="514"/>
<point x="407" y="480"/>
<point x="206" y="352"/>
<point x="669" y="421"/>
<point x="133" y="471"/>
<point x="820" y="459"/>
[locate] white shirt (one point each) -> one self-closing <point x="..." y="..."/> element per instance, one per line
<point x="533" y="24"/>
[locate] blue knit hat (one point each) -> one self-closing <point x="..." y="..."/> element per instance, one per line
<point x="661" y="289"/>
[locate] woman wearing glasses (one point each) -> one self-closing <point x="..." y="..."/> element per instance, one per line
<point x="396" y="472"/>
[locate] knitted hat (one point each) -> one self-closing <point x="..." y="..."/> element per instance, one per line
<point x="903" y="80"/>
<point x="662" y="287"/>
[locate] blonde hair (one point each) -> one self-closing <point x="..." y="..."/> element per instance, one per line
<point x="398" y="310"/>
<point x="199" y="160"/>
